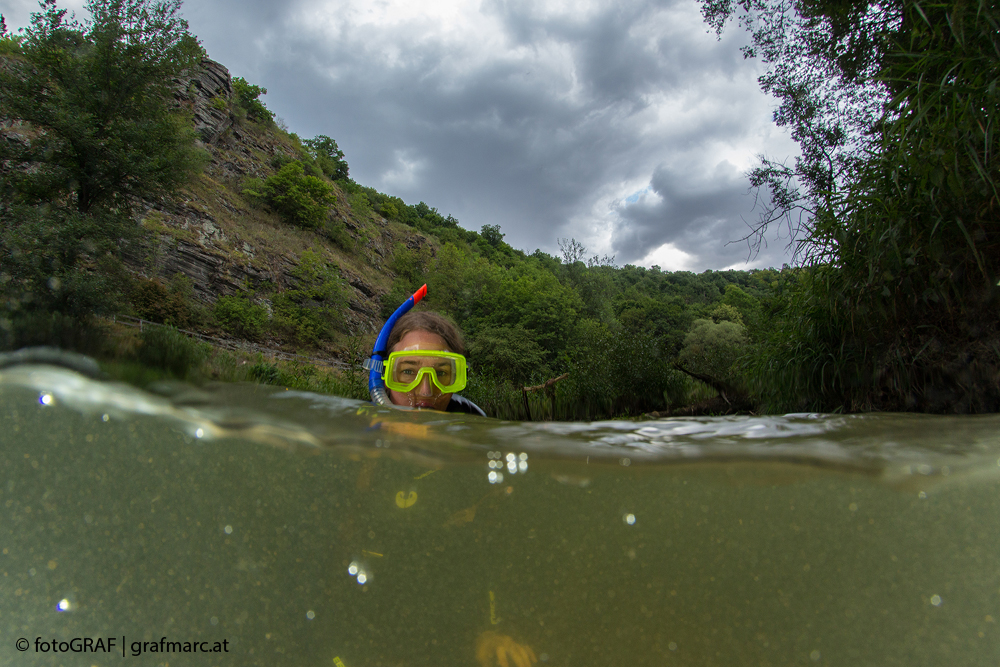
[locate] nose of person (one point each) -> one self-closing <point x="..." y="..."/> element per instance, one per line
<point x="425" y="388"/>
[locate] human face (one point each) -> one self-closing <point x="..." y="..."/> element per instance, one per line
<point x="426" y="396"/>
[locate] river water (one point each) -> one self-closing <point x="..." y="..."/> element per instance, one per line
<point x="307" y="530"/>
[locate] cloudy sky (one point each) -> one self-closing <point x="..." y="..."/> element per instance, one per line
<point x="626" y="126"/>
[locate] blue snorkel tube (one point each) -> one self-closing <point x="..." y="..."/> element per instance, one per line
<point x="374" y="364"/>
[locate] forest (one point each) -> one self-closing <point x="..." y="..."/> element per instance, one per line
<point x="893" y="204"/>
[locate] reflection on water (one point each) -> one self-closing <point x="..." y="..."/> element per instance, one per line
<point x="308" y="530"/>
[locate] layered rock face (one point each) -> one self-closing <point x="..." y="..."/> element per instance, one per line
<point x="208" y="93"/>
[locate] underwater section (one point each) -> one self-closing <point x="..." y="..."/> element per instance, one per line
<point x="289" y="528"/>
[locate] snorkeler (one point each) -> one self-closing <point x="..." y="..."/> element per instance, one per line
<point x="420" y="359"/>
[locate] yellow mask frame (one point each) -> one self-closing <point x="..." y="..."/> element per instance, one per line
<point x="405" y="370"/>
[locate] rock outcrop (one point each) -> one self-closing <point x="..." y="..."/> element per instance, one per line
<point x="208" y="93"/>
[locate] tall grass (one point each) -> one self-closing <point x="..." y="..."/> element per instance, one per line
<point x="610" y="375"/>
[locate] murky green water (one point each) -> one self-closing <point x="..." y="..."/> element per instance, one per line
<point x="251" y="516"/>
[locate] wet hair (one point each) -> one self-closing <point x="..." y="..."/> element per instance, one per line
<point x="431" y="322"/>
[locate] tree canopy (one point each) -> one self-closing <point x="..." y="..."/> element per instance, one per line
<point x="94" y="95"/>
<point x="94" y="130"/>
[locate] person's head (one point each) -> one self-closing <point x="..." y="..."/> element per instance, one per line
<point x="425" y="331"/>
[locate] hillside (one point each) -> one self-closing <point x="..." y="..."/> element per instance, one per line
<point x="228" y="246"/>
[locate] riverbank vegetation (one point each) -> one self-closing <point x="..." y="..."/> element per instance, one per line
<point x="895" y="106"/>
<point x="894" y="205"/>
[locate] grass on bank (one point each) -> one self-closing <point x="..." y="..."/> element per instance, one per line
<point x="159" y="353"/>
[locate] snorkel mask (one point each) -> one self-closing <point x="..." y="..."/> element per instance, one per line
<point x="405" y="370"/>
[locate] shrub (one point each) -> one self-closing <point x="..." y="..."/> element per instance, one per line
<point x="314" y="309"/>
<point x="360" y="204"/>
<point x="151" y="300"/>
<point x="328" y="157"/>
<point x="167" y="348"/>
<point x="388" y="210"/>
<point x="300" y="199"/>
<point x="265" y="373"/>
<point x="247" y="102"/>
<point x="336" y="231"/>
<point x="410" y="265"/>
<point x="238" y="316"/>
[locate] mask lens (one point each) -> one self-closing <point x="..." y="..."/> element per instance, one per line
<point x="406" y="371"/>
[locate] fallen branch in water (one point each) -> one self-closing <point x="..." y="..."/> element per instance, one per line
<point x="546" y="384"/>
<point x="550" y="388"/>
<point x="736" y="399"/>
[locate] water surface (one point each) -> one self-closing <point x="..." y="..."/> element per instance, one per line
<point x="301" y="528"/>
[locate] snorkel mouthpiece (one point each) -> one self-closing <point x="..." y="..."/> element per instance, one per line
<point x="376" y="385"/>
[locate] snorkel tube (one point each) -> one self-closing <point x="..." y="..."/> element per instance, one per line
<point x="376" y="385"/>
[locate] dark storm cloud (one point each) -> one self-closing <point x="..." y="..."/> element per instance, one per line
<point x="538" y="116"/>
<point x="699" y="215"/>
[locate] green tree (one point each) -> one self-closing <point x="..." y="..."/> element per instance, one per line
<point x="747" y="306"/>
<point x="329" y="158"/>
<point x="248" y="101"/>
<point x="506" y="352"/>
<point x="9" y="44"/>
<point x="447" y="279"/>
<point x="492" y="235"/>
<point x="96" y="97"/>
<point x="713" y="348"/>
<point x="58" y="267"/>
